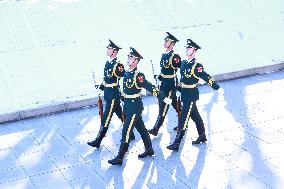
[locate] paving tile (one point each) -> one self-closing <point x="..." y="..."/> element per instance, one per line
<point x="56" y="149"/>
<point x="21" y="184"/>
<point x="77" y="172"/>
<point x="88" y="182"/>
<point x="7" y="159"/>
<point x="135" y="183"/>
<point x="242" y="179"/>
<point x="37" y="163"/>
<point x="11" y="175"/>
<point x="68" y="160"/>
<point x="274" y="181"/>
<point x="28" y="145"/>
<point x="50" y="180"/>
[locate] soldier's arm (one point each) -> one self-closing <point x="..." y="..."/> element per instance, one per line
<point x="200" y="72"/>
<point x="102" y="86"/>
<point x="118" y="70"/>
<point x="143" y="83"/>
<point x="176" y="61"/>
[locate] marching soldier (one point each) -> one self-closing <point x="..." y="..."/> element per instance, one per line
<point x="133" y="82"/>
<point x="191" y="72"/>
<point x="170" y="62"/>
<point x="113" y="71"/>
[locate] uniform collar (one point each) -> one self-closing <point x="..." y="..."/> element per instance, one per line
<point x="191" y="61"/>
<point x="169" y="52"/>
<point x="132" y="70"/>
<point x="111" y="60"/>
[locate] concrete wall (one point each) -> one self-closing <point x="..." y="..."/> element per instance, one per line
<point x="49" y="48"/>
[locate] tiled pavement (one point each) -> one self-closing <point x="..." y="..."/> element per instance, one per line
<point x="244" y="124"/>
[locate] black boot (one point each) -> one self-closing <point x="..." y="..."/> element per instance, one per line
<point x="175" y="145"/>
<point x="200" y="139"/>
<point x="97" y="142"/>
<point x="154" y="131"/>
<point x="119" y="158"/>
<point x="149" y="149"/>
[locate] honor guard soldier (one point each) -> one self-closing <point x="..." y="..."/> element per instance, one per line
<point x="133" y="82"/>
<point x="113" y="71"/>
<point x="191" y="72"/>
<point x="170" y="62"/>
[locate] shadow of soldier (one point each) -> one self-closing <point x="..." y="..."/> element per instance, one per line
<point x="111" y="175"/>
<point x="163" y="169"/>
<point x="249" y="136"/>
<point x="192" y="179"/>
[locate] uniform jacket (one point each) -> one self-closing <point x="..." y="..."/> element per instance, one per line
<point x="133" y="82"/>
<point x="191" y="72"/>
<point x="113" y="71"/>
<point x="170" y="62"/>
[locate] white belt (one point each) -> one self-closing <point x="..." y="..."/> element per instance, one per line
<point x="167" y="76"/>
<point x="111" y="84"/>
<point x="182" y="85"/>
<point x="132" y="96"/>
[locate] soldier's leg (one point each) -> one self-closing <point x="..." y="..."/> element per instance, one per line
<point x="140" y="126"/>
<point x="127" y="127"/>
<point x="109" y="109"/>
<point x="118" y="111"/>
<point x="163" y="109"/>
<point x="185" y="115"/>
<point x="177" y="106"/>
<point x="199" y="125"/>
<point x="174" y="101"/>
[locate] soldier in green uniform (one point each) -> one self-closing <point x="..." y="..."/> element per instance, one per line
<point x="113" y="71"/>
<point x="170" y="63"/>
<point x="133" y="82"/>
<point x="191" y="72"/>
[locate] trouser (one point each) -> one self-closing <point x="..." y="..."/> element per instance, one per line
<point x="112" y="106"/>
<point x="163" y="107"/>
<point x="190" y="110"/>
<point x="131" y="121"/>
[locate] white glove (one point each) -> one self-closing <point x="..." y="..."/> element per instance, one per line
<point x="167" y="100"/>
<point x="221" y="91"/>
<point x="177" y="93"/>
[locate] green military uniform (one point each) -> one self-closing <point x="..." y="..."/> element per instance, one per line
<point x="133" y="82"/>
<point x="113" y="71"/>
<point x="191" y="72"/>
<point x="170" y="63"/>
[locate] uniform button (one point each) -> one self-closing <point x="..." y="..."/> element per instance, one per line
<point x="132" y="100"/>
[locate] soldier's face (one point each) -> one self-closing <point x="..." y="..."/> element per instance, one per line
<point x="190" y="52"/>
<point x="132" y="62"/>
<point x="110" y="51"/>
<point x="167" y="43"/>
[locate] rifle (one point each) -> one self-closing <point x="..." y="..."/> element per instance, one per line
<point x="178" y="103"/>
<point x="155" y="76"/>
<point x="100" y="102"/>
<point x="123" y="114"/>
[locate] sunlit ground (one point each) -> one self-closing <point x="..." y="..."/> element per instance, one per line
<point x="243" y="126"/>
